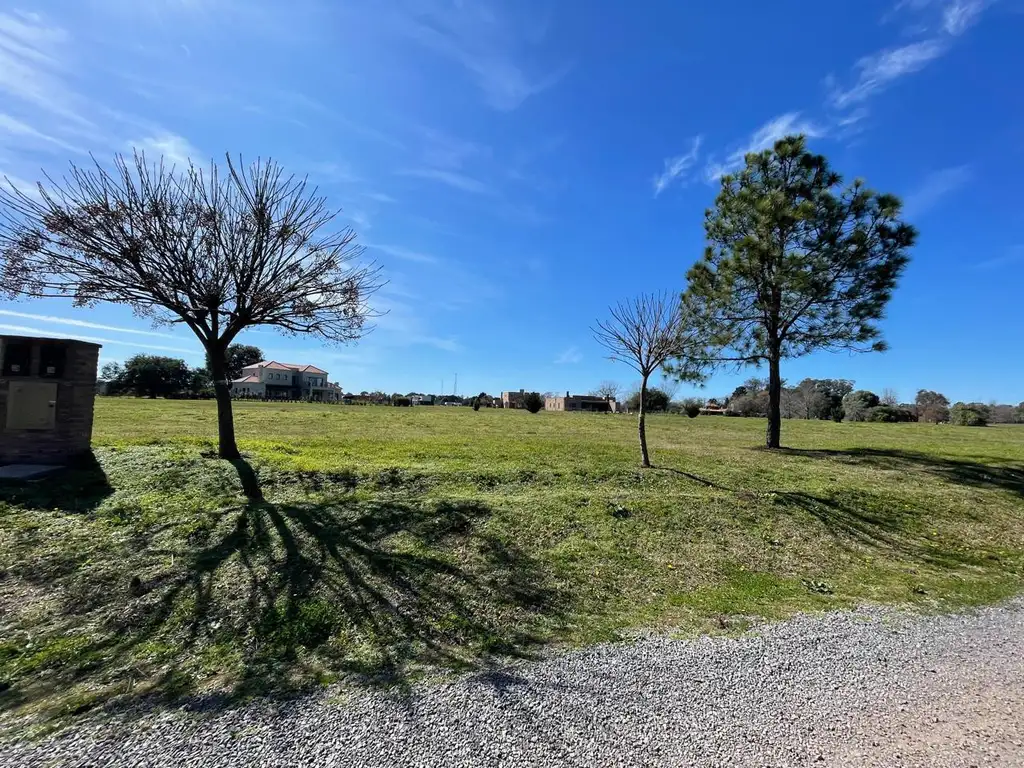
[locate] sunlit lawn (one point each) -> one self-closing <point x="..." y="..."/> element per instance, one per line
<point x="398" y="542"/>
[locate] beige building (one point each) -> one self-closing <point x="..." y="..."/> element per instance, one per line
<point x="272" y="380"/>
<point x="591" y="403"/>
<point x="513" y="399"/>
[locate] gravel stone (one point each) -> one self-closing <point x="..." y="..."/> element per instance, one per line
<point x="872" y="687"/>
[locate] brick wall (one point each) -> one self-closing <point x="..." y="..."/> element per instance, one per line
<point x="76" y="393"/>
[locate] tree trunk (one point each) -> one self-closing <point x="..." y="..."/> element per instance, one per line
<point x="227" y="448"/>
<point x="645" y="458"/>
<point x="774" y="401"/>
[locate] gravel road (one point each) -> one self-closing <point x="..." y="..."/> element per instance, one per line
<point x="867" y="688"/>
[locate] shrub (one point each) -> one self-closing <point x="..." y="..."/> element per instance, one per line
<point x="890" y="414"/>
<point x="533" y="402"/>
<point x="401" y="401"/>
<point x="858" y="405"/>
<point x="657" y="400"/>
<point x="969" y="415"/>
<point x="476" y="403"/>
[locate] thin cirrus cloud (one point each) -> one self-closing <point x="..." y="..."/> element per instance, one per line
<point x="175" y="150"/>
<point x="570" y="356"/>
<point x="453" y="179"/>
<point x="676" y="167"/>
<point x="45" y="333"/>
<point x="936" y="186"/>
<point x="960" y="15"/>
<point x="761" y="139"/>
<point x="406" y="254"/>
<point x="877" y="71"/>
<point x="486" y="44"/>
<point x="81" y="323"/>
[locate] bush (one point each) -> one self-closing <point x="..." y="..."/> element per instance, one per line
<point x="969" y="415"/>
<point x="656" y="400"/>
<point x="858" y="405"/>
<point x="476" y="403"/>
<point x="890" y="414"/>
<point x="533" y="402"/>
<point x="401" y="401"/>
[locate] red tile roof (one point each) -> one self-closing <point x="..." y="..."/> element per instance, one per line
<point x="274" y="365"/>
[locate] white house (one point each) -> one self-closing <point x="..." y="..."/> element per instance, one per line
<point x="284" y="381"/>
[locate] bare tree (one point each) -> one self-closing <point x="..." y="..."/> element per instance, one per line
<point x="889" y="397"/>
<point x="608" y="389"/>
<point x="220" y="253"/>
<point x="644" y="333"/>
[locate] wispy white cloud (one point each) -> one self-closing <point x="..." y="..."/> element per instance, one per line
<point x="406" y="254"/>
<point x="487" y="44"/>
<point x="1014" y="255"/>
<point x="877" y="71"/>
<point x="453" y="179"/>
<point x="49" y="334"/>
<point x="81" y="323"/>
<point x="31" y="64"/>
<point x="19" y="133"/>
<point x="175" y="150"/>
<point x="960" y="15"/>
<point x="764" y="138"/>
<point x="437" y="342"/>
<point x="676" y="167"/>
<point x="380" y="197"/>
<point x="570" y="356"/>
<point x="934" y="188"/>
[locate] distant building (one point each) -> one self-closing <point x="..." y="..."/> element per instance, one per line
<point x="272" y="380"/>
<point x="592" y="403"/>
<point x="513" y="399"/>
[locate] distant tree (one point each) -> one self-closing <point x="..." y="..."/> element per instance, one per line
<point x="931" y="406"/>
<point x="754" y="404"/>
<point x="858" y="405"/>
<point x="889" y="397"/>
<point x="656" y="400"/>
<point x="238" y="356"/>
<point x="891" y="414"/>
<point x="821" y="398"/>
<point x="400" y="401"/>
<point x="692" y="406"/>
<point x="150" y="376"/>
<point x="969" y="415"/>
<point x="1018" y="414"/>
<point x="794" y="264"/>
<point x="111" y="371"/>
<point x="740" y="391"/>
<point x="644" y="333"/>
<point x="608" y="389"/>
<point x="200" y="383"/>
<point x="533" y="402"/>
<point x="220" y="252"/>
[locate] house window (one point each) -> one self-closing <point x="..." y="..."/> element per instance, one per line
<point x="17" y="358"/>
<point x="51" y="360"/>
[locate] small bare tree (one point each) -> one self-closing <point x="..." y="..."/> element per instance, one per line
<point x="644" y="333"/>
<point x="608" y="389"/>
<point x="220" y="253"/>
<point x="889" y="397"/>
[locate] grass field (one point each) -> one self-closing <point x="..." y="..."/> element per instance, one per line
<point x="396" y="543"/>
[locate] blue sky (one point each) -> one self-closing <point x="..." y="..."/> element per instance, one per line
<point x="516" y="167"/>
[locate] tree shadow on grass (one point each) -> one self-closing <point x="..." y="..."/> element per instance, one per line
<point x="997" y="475"/>
<point x="79" y="487"/>
<point x="857" y="521"/>
<point x="276" y="597"/>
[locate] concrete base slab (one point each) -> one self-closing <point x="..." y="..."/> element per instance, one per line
<point x="26" y="471"/>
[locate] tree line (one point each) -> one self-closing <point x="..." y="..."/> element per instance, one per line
<point x="837" y="400"/>
<point x="157" y="376"/>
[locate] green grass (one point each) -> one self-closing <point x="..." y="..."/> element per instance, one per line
<point x="396" y="543"/>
